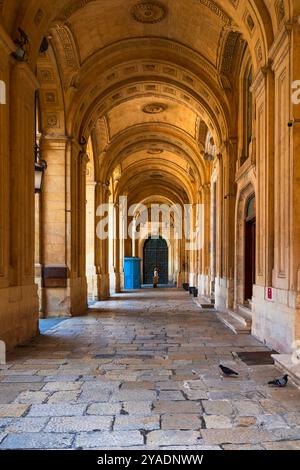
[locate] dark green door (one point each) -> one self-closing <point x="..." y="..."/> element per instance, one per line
<point x="156" y="256"/>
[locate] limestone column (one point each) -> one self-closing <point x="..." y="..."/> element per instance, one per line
<point x="204" y="250"/>
<point x="220" y="285"/>
<point x="115" y="245"/>
<point x="90" y="241"/>
<point x="56" y="299"/>
<point x="78" y="281"/>
<point x="101" y="245"/>
<point x="229" y="158"/>
<point x="20" y="310"/>
<point x="8" y="311"/>
<point x="134" y="251"/>
<point x="193" y="250"/>
<point x="122" y="240"/>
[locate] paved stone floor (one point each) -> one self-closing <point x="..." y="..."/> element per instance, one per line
<point x="141" y="371"/>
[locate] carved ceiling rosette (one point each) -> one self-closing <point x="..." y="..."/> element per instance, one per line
<point x="149" y="12"/>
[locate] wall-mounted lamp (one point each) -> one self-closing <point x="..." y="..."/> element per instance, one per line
<point x="44" y="46"/>
<point x="21" y="42"/>
<point x="39" y="169"/>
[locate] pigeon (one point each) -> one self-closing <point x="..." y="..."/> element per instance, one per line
<point x="281" y="382"/>
<point x="186" y="385"/>
<point x="227" y="372"/>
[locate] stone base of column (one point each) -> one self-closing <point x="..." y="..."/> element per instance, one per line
<point x="78" y="296"/>
<point x="224" y="293"/>
<point x="122" y="280"/>
<point x="203" y="285"/>
<point x="92" y="284"/>
<point x="56" y="302"/>
<point x="103" y="286"/>
<point x="276" y="322"/>
<point x="192" y="279"/>
<point x="39" y="282"/>
<point x="114" y="282"/>
<point x="180" y="278"/>
<point x="19" y="314"/>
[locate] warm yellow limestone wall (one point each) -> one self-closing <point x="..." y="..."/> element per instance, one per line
<point x="276" y="322"/>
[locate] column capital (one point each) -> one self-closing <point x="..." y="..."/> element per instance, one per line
<point x="25" y="72"/>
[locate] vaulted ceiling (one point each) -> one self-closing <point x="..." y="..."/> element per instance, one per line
<point x="150" y="77"/>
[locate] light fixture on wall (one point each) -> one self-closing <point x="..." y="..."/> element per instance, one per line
<point x="39" y="169"/>
<point x="44" y="46"/>
<point x="21" y="42"/>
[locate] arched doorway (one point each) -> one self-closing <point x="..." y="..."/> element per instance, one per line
<point x="250" y="248"/>
<point x="156" y="254"/>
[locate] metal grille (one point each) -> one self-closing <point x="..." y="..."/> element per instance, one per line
<point x="257" y="358"/>
<point x="156" y="256"/>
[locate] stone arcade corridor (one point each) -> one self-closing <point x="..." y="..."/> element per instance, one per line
<point x="141" y="371"/>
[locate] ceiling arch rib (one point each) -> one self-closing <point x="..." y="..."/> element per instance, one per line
<point x="158" y="179"/>
<point x="162" y="192"/>
<point x="103" y="80"/>
<point x="207" y="109"/>
<point x="152" y="138"/>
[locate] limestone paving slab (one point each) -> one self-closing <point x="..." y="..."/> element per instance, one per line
<point x="61" y="409"/>
<point x="25" y="425"/>
<point x="12" y="410"/>
<point x="130" y="423"/>
<point x="181" y="422"/>
<point x="79" y="424"/>
<point x="142" y="371"/>
<point x="37" y="441"/>
<point x="173" y="438"/>
<point x="103" y="440"/>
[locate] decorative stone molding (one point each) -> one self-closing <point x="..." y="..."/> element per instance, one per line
<point x="155" y="151"/>
<point x="280" y="11"/>
<point x="38" y="17"/>
<point x="216" y="10"/>
<point x="229" y="51"/>
<point x="52" y="120"/>
<point x="148" y="12"/>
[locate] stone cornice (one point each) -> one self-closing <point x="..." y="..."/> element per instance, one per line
<point x="280" y="46"/>
<point x="244" y="169"/>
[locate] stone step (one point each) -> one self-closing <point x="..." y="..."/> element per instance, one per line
<point x="285" y="363"/>
<point x="203" y="303"/>
<point x="242" y="315"/>
<point x="209" y="301"/>
<point x="245" y="311"/>
<point x="234" y="324"/>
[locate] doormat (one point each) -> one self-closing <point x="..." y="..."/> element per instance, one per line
<point x="257" y="358"/>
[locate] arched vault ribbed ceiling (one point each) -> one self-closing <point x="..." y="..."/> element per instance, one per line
<point x="114" y="63"/>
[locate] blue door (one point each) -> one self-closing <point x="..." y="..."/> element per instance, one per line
<point x="132" y="273"/>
